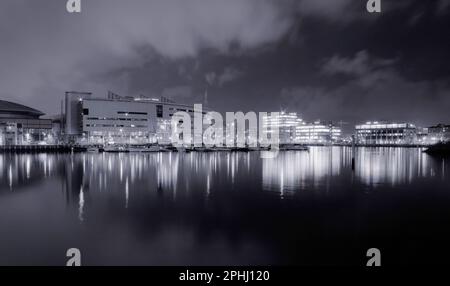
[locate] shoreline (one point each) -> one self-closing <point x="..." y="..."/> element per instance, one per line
<point x="166" y="148"/>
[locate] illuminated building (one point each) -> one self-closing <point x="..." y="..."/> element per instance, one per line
<point x="438" y="133"/>
<point x="22" y="125"/>
<point x="286" y="124"/>
<point x="317" y="133"/>
<point x="382" y="133"/>
<point x="293" y="130"/>
<point x="119" y="119"/>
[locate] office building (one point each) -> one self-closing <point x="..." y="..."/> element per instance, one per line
<point x="438" y="133"/>
<point x="120" y="119"/>
<point x="286" y="123"/>
<point x="382" y="133"/>
<point x="317" y="133"/>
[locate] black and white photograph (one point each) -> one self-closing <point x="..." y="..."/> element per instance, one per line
<point x="244" y="135"/>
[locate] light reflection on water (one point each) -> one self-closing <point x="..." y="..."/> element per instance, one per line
<point x="395" y="166"/>
<point x="194" y="205"/>
<point x="289" y="172"/>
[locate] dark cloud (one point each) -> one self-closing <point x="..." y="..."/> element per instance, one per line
<point x="53" y="51"/>
<point x="358" y="65"/>
<point x="375" y="91"/>
<point x="229" y="74"/>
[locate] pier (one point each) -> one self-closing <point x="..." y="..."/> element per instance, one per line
<point x="35" y="148"/>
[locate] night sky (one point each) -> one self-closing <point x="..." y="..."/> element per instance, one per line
<point x="328" y="60"/>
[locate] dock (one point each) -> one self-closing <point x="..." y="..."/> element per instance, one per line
<point x="35" y="148"/>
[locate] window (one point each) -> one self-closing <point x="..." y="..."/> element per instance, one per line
<point x="159" y="111"/>
<point x="85" y="111"/>
<point x="134" y="113"/>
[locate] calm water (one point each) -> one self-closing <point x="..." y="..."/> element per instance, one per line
<point x="225" y="208"/>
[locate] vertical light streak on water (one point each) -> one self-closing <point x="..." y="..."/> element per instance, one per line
<point x="228" y="165"/>
<point x="232" y="167"/>
<point x="110" y="164"/>
<point x="237" y="163"/>
<point x="100" y="181"/>
<point x="208" y="184"/>
<point x="443" y="169"/>
<point x="71" y="161"/>
<point x="2" y="165"/>
<point x="45" y="168"/>
<point x="50" y="165"/>
<point x="121" y="169"/>
<point x="10" y="177"/>
<point x="282" y="183"/>
<point x="81" y="205"/>
<point x="127" y="194"/>
<point x="84" y="164"/>
<point x="28" y="166"/>
<point x="133" y="168"/>
<point x="174" y="170"/>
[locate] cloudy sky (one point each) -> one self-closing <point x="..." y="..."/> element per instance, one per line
<point x="325" y="59"/>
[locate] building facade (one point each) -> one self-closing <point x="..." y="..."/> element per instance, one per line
<point x="438" y="133"/>
<point x="22" y="125"/>
<point x="120" y="120"/>
<point x="286" y="123"/>
<point x="318" y="133"/>
<point x="382" y="133"/>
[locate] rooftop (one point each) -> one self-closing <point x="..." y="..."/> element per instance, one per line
<point x="11" y="107"/>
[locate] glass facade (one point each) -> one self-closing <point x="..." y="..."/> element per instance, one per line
<point x="382" y="133"/>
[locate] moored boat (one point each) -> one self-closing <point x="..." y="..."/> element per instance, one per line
<point x="115" y="149"/>
<point x="92" y="149"/>
<point x="294" y="147"/>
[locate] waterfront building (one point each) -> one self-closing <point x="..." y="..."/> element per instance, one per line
<point x="22" y="125"/>
<point x="438" y="133"/>
<point x="422" y="137"/>
<point x="318" y="133"/>
<point x="383" y="133"/>
<point x="293" y="130"/>
<point x="120" y="119"/>
<point x="286" y="123"/>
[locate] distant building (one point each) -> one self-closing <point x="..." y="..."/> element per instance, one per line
<point x="118" y="119"/>
<point x="422" y="137"/>
<point x="382" y="133"/>
<point x="286" y="123"/>
<point x="293" y="130"/>
<point x="439" y="133"/>
<point x="318" y="133"/>
<point x="22" y="125"/>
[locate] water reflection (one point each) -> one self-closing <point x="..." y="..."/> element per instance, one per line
<point x="374" y="167"/>
<point x="180" y="174"/>
<point x="291" y="171"/>
<point x="184" y="208"/>
<point x="394" y="166"/>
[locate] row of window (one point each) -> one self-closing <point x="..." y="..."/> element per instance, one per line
<point x="86" y="112"/>
<point x="132" y="112"/>
<point x="121" y="119"/>
<point x="159" y="112"/>
<point x="116" y="125"/>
